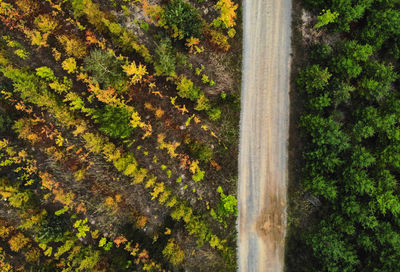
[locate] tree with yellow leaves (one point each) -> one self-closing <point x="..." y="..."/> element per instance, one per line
<point x="218" y="39"/>
<point x="228" y="14"/>
<point x="46" y="23"/>
<point x="5" y="230"/>
<point x="73" y="46"/>
<point x="4" y="266"/>
<point x="112" y="202"/>
<point x="18" y="242"/>
<point x="170" y="147"/>
<point x="140" y="176"/>
<point x="135" y="72"/>
<point x="15" y="197"/>
<point x="173" y="252"/>
<point x="27" y="6"/>
<point x="37" y="38"/>
<point x="158" y="188"/>
<point x="69" y="65"/>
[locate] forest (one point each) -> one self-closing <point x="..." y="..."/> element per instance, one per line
<point x="349" y="123"/>
<point x="119" y="135"/>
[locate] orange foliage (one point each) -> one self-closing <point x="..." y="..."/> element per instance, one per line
<point x="153" y="11"/>
<point x="120" y="240"/>
<point x="141" y="221"/>
<point x="108" y="96"/>
<point x="22" y="107"/>
<point x="158" y="112"/>
<point x="191" y="42"/>
<point x="81" y="208"/>
<point x="59" y="194"/>
<point x="148" y="129"/>
<point x="157" y="93"/>
<point x="90" y="38"/>
<point x="184" y="160"/>
<point x="215" y="165"/>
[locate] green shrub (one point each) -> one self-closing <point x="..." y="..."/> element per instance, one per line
<point x="114" y="121"/>
<point x="202" y="103"/>
<point x="228" y="203"/>
<point x="202" y="151"/>
<point x="173" y="252"/>
<point x="165" y="58"/>
<point x="106" y="69"/>
<point x="186" y="89"/>
<point x="52" y="228"/>
<point x="45" y="73"/>
<point x="183" y="19"/>
<point x="214" y="113"/>
<point x="313" y="78"/>
<point x="321" y="52"/>
<point x="227" y="206"/>
<point x="325" y="18"/>
<point x="199" y="175"/>
<point x="77" y="6"/>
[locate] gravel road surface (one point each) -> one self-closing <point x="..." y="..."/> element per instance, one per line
<point x="264" y="130"/>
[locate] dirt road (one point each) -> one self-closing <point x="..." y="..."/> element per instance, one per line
<point x="264" y="134"/>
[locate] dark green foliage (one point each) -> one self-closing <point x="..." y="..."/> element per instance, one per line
<point x="320" y="102"/>
<point x="321" y="52"/>
<point x="325" y="132"/>
<point x="165" y="58"/>
<point x="201" y="151"/>
<point x="332" y="249"/>
<point x="350" y="56"/>
<point x="341" y="92"/>
<point x="115" y="122"/>
<point x="5" y="121"/>
<point x="346" y="67"/>
<point x="181" y="15"/>
<point x="383" y="29"/>
<point x="352" y="140"/>
<point x="376" y="80"/>
<point x="313" y="78"/>
<point x="44" y="267"/>
<point x="349" y="11"/>
<point x="355" y="51"/>
<point x="105" y="69"/>
<point x="52" y="228"/>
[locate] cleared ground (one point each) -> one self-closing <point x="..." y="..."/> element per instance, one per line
<point x="264" y="128"/>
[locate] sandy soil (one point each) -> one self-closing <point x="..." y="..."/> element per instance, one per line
<point x="264" y="128"/>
